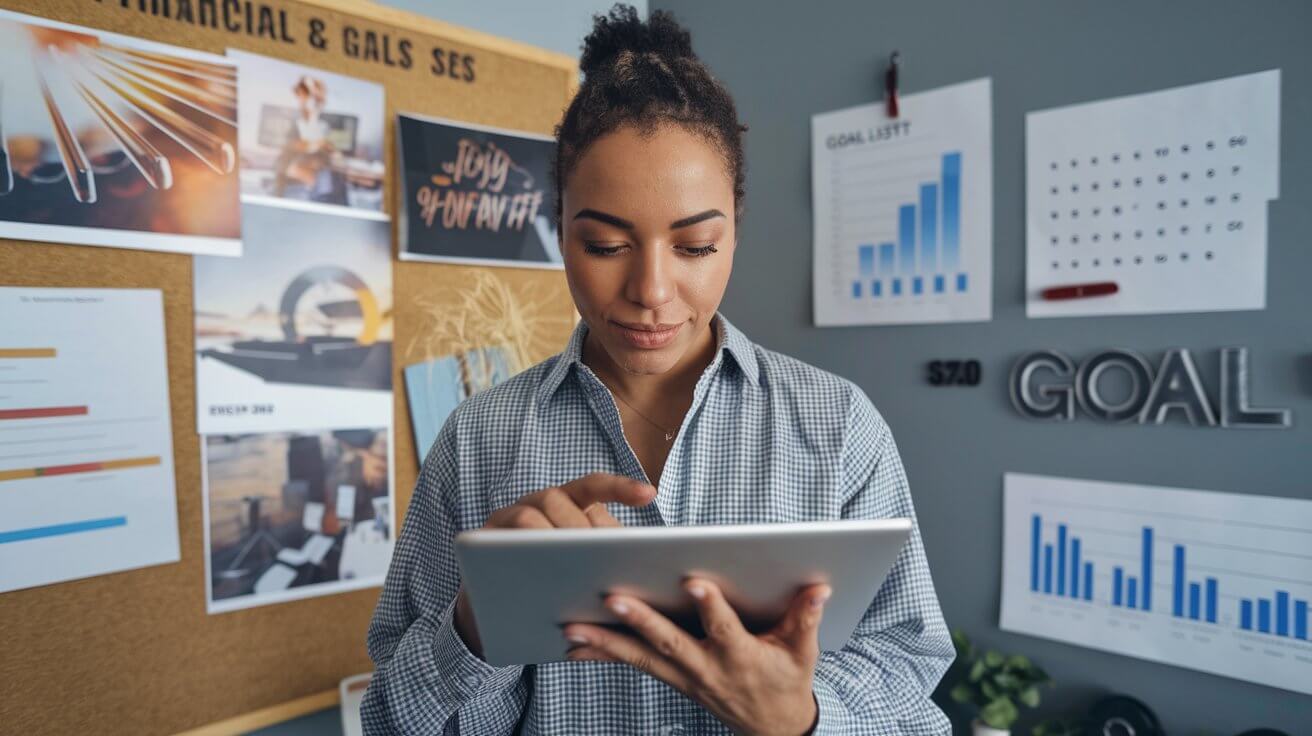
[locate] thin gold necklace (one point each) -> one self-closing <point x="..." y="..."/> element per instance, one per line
<point x="669" y="434"/>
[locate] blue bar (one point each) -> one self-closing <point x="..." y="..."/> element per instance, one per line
<point x="866" y="257"/>
<point x="885" y="259"/>
<point x="1282" y="613"/>
<point x="1047" y="568"/>
<point x="1061" y="559"/>
<point x="1131" y="592"/>
<point x="951" y="210"/>
<point x="1264" y="615"/>
<point x="1195" y="600"/>
<point x="897" y="287"/>
<point x="856" y="289"/>
<point x="1088" y="581"/>
<point x="1177" y="583"/>
<point x="55" y="530"/>
<point x="917" y="285"/>
<point x="938" y="284"/>
<point x="1246" y="614"/>
<point x="1116" y="586"/>
<point x="1147" y="569"/>
<point x="877" y="288"/>
<point x="1210" y="613"/>
<point x="928" y="226"/>
<point x="906" y="237"/>
<point x="1300" y="620"/>
<point x="1075" y="567"/>
<point x="1036" y="525"/>
<point x="961" y="282"/>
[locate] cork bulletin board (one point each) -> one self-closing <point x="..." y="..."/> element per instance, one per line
<point x="135" y="652"/>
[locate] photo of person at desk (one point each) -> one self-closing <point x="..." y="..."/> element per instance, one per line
<point x="657" y="412"/>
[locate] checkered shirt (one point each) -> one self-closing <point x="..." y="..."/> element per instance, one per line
<point x="767" y="439"/>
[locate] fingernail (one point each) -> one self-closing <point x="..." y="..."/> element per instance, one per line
<point x="697" y="591"/>
<point x="821" y="597"/>
<point x="576" y="639"/>
<point x="619" y="607"/>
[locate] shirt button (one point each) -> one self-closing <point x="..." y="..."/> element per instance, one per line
<point x="671" y="729"/>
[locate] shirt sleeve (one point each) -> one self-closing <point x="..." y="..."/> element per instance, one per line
<point x="426" y="680"/>
<point x="881" y="680"/>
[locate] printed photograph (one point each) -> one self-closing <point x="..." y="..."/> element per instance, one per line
<point x="435" y="387"/>
<point x="471" y="194"/>
<point x="298" y="331"/>
<point x="309" y="138"/>
<point x="292" y="515"/>
<point x="113" y="141"/>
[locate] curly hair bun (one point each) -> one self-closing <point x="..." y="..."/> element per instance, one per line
<point x="621" y="30"/>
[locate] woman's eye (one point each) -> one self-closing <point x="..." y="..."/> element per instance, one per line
<point x="697" y="251"/>
<point x="601" y="249"/>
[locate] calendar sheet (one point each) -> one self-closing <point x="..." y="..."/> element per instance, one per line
<point x="1163" y="194"/>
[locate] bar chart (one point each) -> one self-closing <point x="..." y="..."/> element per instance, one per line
<point x="1218" y="582"/>
<point x="903" y="210"/>
<point x="86" y="453"/>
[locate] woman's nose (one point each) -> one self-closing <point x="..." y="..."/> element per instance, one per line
<point x="650" y="280"/>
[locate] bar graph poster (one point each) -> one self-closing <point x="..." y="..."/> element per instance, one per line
<point x="1218" y="582"/>
<point x="903" y="210"/>
<point x="86" y="449"/>
<point x="113" y="141"/>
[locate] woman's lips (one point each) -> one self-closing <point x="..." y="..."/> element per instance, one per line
<point x="648" y="337"/>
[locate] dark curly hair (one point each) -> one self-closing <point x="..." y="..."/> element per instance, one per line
<point x="643" y="75"/>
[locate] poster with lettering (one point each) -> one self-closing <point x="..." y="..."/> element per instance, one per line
<point x="113" y="141"/>
<point x="475" y="195"/>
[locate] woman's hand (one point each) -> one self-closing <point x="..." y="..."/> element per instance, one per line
<point x="754" y="684"/>
<point x="580" y="503"/>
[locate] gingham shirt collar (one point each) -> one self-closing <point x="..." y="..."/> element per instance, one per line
<point x="730" y="340"/>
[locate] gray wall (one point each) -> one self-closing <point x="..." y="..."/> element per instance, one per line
<point x="559" y="25"/>
<point x="785" y="61"/>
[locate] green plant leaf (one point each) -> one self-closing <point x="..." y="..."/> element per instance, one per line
<point x="1029" y="696"/>
<point x="1007" y="681"/>
<point x="977" y="670"/>
<point x="1019" y="662"/>
<point x="963" y="693"/>
<point x="994" y="658"/>
<point x="989" y="690"/>
<point x="1000" y="713"/>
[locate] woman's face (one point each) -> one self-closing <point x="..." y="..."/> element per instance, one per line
<point x="647" y="222"/>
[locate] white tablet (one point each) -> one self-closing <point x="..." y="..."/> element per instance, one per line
<point x="526" y="584"/>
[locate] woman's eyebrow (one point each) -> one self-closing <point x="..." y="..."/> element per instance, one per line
<point x="603" y="217"/>
<point x="702" y="217"/>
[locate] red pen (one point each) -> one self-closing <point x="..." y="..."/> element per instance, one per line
<point x="1080" y="291"/>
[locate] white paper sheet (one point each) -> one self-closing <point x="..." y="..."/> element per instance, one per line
<point x="1163" y="194"/>
<point x="1227" y="576"/>
<point x="86" y="446"/>
<point x="903" y="210"/>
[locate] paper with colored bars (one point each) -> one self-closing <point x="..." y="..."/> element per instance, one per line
<point x="1218" y="582"/>
<point x="903" y="210"/>
<point x="86" y="446"/>
<point x="1163" y="194"/>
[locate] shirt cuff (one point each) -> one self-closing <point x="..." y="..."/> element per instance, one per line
<point x="462" y="670"/>
<point x="833" y="714"/>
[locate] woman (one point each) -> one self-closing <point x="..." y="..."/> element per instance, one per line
<point x="658" y="412"/>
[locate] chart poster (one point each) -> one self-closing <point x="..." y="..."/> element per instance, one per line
<point x="1217" y="582"/>
<point x="903" y="210"/>
<point x="475" y="195"/>
<point x="1155" y="203"/>
<point x="309" y="139"/>
<point x="113" y="141"/>
<point x="292" y="515"/>
<point x="297" y="332"/>
<point x="86" y="448"/>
